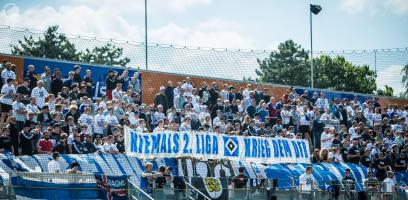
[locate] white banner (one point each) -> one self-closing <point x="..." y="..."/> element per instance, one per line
<point x="216" y="146"/>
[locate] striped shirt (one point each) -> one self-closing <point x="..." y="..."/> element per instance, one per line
<point x="40" y="94"/>
<point x="7" y="91"/>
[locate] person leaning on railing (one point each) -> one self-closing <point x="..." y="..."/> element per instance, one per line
<point x="148" y="177"/>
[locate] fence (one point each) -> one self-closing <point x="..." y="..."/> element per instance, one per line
<point x="217" y="63"/>
<point x="83" y="186"/>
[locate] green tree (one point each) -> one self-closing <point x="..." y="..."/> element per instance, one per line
<point x="287" y="65"/>
<point x="338" y="74"/>
<point x="290" y="65"/>
<point x="387" y="91"/>
<point x="404" y="73"/>
<point x="108" y="54"/>
<point x="56" y="45"/>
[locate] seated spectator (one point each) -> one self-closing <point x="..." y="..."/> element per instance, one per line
<point x="45" y="145"/>
<point x="62" y="146"/>
<point x="77" y="146"/>
<point x="109" y="147"/>
<point x="89" y="147"/>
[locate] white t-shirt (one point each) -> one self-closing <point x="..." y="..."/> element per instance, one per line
<point x="112" y="120"/>
<point x="109" y="147"/>
<point x="54" y="167"/>
<point x="99" y="123"/>
<point x="40" y="94"/>
<point x="6" y="74"/>
<point x="88" y="121"/>
<point x="7" y="94"/>
<point x="388" y="185"/>
<point x="377" y="118"/>
<point x="306" y="181"/>
<point x="325" y="117"/>
<point x="304" y="119"/>
<point x="326" y="140"/>
<point x="285" y="117"/>
<point x="188" y="88"/>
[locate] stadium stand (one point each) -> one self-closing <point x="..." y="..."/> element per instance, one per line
<point x="344" y="132"/>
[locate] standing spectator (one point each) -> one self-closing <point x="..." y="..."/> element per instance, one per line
<point x="8" y="73"/>
<point x="326" y="138"/>
<point x="179" y="101"/>
<point x="8" y="92"/>
<point x="89" y="82"/>
<point x="169" y="92"/>
<point x="224" y="94"/>
<point x="285" y="114"/>
<point x="68" y="82"/>
<point x="56" y="84"/>
<point x="187" y="87"/>
<point x="147" y="178"/>
<point x="99" y="124"/>
<point x="54" y="166"/>
<point x="46" y="78"/>
<point x="117" y="93"/>
<point x="25" y="91"/>
<point x="263" y="112"/>
<point x="135" y="83"/>
<point x="31" y="76"/>
<point x="40" y="93"/>
<point x="322" y="103"/>
<point x="239" y="183"/>
<point x="6" y="141"/>
<point x="251" y="109"/>
<point x="214" y="94"/>
<point x="27" y="139"/>
<point x="307" y="181"/>
<point x="161" y="99"/>
<point x="110" y="83"/>
<point x="86" y="119"/>
<point x="77" y="75"/>
<point x="354" y="152"/>
<point x="389" y="186"/>
<point x="273" y="110"/>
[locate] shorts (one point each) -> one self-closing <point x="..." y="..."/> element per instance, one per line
<point x="304" y="129"/>
<point x="5" y="108"/>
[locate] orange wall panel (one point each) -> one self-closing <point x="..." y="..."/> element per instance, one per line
<point x="19" y="62"/>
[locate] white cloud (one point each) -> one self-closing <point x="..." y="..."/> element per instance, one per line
<point x="373" y="7"/>
<point x="212" y="33"/>
<point x="176" y="5"/>
<point x="97" y="18"/>
<point x="398" y="6"/>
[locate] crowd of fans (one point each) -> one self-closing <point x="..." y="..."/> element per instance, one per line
<point x="50" y="113"/>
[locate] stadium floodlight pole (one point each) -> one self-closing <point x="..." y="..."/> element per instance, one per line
<point x="146" y="53"/>
<point x="315" y="9"/>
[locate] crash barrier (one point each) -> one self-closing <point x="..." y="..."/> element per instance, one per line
<point x="199" y="173"/>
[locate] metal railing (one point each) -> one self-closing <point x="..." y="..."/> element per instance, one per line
<point x="223" y="188"/>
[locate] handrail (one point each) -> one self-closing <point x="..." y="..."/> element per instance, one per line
<point x="199" y="192"/>
<point x="140" y="189"/>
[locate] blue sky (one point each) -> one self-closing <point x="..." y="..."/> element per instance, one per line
<point x="258" y="24"/>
